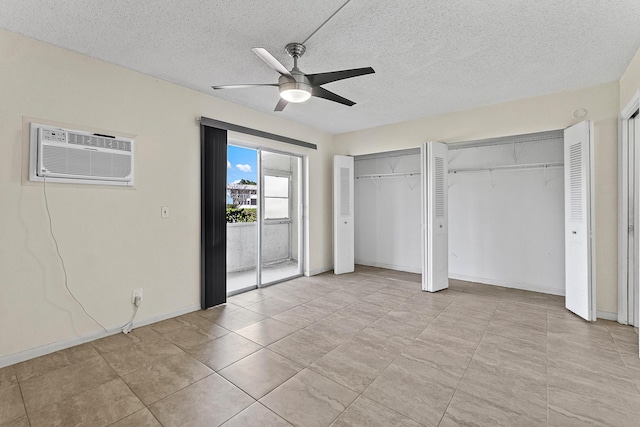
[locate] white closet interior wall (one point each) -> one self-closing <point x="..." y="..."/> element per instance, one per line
<point x="387" y="210"/>
<point x="507" y="224"/>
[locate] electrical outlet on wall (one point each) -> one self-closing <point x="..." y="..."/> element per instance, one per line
<point x="134" y="293"/>
<point x="164" y="211"/>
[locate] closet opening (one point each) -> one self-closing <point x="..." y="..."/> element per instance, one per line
<point x="387" y="210"/>
<point x="505" y="211"/>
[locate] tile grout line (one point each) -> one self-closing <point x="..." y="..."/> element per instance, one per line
<point x="29" y="413"/>
<point x="195" y="382"/>
<point x="547" y="354"/>
<point x="309" y="366"/>
<point x="24" y="406"/>
<point x="361" y="394"/>
<point x="394" y="359"/>
<point x="145" y="406"/>
<point x="266" y="407"/>
<point x="469" y="364"/>
<point x="387" y="367"/>
<point x="266" y="348"/>
<point x="183" y="350"/>
<point x="288" y="335"/>
<point x="126" y="385"/>
<point x="214" y="371"/>
<point x="626" y="365"/>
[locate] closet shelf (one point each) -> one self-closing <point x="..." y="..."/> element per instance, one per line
<point x="388" y="175"/>
<point x="510" y="167"/>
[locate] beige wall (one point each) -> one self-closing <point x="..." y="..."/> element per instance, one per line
<point x="113" y="239"/>
<point x="630" y="81"/>
<point x="519" y="117"/>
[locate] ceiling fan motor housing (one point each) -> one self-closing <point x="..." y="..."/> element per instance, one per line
<point x="295" y="50"/>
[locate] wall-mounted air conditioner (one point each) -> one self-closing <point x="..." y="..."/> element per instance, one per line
<point x="64" y="155"/>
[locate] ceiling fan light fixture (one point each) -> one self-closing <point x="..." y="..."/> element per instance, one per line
<point x="295" y="95"/>
<point x="295" y="92"/>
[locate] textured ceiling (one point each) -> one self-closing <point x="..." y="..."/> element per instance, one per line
<point x="430" y="57"/>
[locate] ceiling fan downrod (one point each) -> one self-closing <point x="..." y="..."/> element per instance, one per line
<point x="295" y="50"/>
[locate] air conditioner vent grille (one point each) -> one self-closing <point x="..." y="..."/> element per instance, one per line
<point x="98" y="141"/>
<point x="60" y="160"/>
<point x="74" y="156"/>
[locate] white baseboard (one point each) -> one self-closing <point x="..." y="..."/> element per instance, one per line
<point x="504" y="284"/>
<point x="396" y="267"/>
<point x="606" y="315"/>
<point x="318" y="271"/>
<point x="32" y="353"/>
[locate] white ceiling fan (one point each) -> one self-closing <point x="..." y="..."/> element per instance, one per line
<point x="296" y="86"/>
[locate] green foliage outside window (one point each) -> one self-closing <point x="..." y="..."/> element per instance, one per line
<point x="236" y="214"/>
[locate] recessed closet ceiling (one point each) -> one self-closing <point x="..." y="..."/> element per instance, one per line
<point x="430" y="57"/>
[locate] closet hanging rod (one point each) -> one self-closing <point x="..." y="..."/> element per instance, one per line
<point x="510" y="167"/>
<point x="388" y="175"/>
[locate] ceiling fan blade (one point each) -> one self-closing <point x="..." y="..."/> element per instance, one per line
<point x="332" y="76"/>
<point x="243" y="86"/>
<point x="281" y="104"/>
<point x="321" y="92"/>
<point x="271" y="61"/>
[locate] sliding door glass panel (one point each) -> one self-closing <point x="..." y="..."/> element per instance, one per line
<point x="276" y="197"/>
<point x="281" y="219"/>
<point x="242" y="223"/>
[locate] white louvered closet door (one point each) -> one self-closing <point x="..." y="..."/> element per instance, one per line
<point x="435" y="224"/>
<point x="343" y="226"/>
<point x="578" y="208"/>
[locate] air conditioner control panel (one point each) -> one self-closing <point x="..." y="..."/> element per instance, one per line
<point x="53" y="135"/>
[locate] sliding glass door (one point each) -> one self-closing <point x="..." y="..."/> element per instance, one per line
<point x="280" y="217"/>
<point x="264" y="217"/>
<point x="242" y="218"/>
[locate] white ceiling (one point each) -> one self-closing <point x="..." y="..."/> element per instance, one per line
<point x="430" y="57"/>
